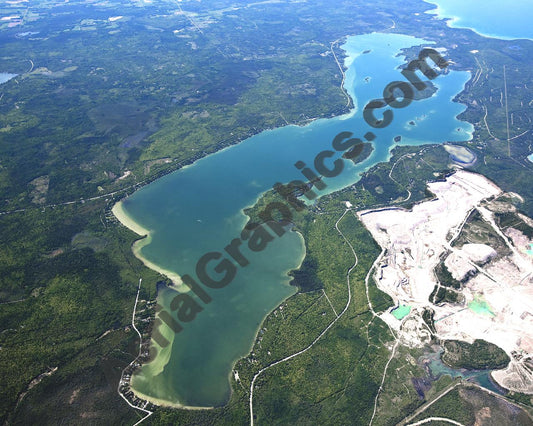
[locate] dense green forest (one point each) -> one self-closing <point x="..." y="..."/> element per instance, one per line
<point x="476" y="356"/>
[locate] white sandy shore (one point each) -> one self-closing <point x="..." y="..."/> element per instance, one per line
<point x="165" y="403"/>
<point x="128" y="222"/>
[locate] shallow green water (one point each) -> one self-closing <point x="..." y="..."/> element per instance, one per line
<point x="198" y="209"/>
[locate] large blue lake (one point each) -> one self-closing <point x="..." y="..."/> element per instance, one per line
<point x="490" y="18"/>
<point x="4" y="76"/>
<point x="199" y="209"/>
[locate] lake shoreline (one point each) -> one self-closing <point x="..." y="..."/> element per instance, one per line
<point x="146" y="238"/>
<point x="454" y="21"/>
<point x="200" y="221"/>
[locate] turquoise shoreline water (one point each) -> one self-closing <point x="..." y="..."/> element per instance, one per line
<point x="199" y="209"/>
<point x="489" y="18"/>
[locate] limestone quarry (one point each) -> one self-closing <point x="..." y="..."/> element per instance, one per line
<point x="487" y="270"/>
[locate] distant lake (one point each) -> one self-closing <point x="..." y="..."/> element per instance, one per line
<point x="199" y="209"/>
<point x="4" y="76"/>
<point x="490" y="18"/>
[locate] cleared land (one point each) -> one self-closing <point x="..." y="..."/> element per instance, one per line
<point x="493" y="294"/>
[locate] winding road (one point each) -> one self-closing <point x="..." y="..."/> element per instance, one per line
<point x="143" y="409"/>
<point x="294" y="355"/>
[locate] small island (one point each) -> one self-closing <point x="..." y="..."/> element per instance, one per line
<point x="360" y="152"/>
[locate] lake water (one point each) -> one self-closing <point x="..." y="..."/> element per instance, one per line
<point x="4" y="76"/>
<point x="481" y="377"/>
<point x="490" y="18"/>
<point x="199" y="209"/>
